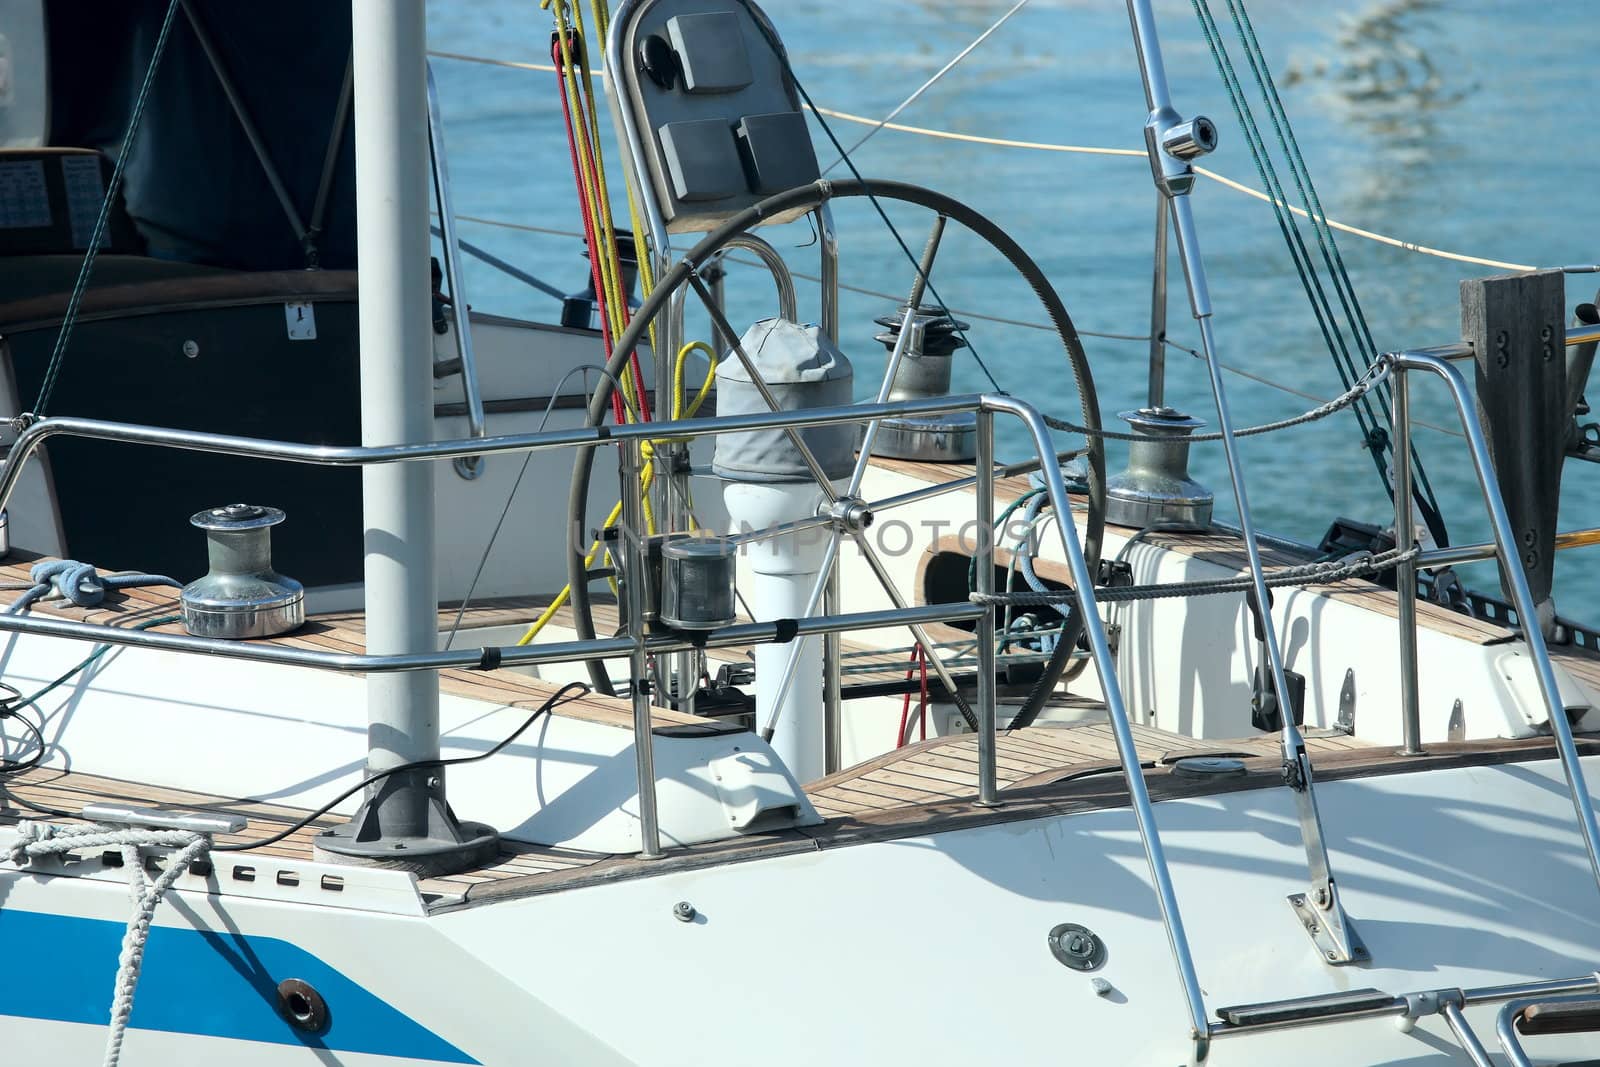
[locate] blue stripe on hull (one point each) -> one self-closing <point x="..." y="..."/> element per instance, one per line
<point x="197" y="982"/>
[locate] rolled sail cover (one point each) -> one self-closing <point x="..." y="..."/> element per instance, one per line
<point x="803" y="369"/>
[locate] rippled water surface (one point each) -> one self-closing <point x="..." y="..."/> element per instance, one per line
<point x="1455" y="124"/>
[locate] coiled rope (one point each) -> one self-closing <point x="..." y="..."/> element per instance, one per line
<point x="1323" y="572"/>
<point x="80" y="584"/>
<point x="35" y="839"/>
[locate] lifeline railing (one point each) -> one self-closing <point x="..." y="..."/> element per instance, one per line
<point x="1437" y="362"/>
<point x="1449" y="1003"/>
<point x="638" y="642"/>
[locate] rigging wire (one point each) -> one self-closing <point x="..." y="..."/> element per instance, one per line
<point x="1374" y="434"/>
<point x="527" y="458"/>
<point x="925" y="86"/>
<point x="1047" y="146"/>
<point x="782" y="57"/>
<point x="483" y="255"/>
<point x="96" y="236"/>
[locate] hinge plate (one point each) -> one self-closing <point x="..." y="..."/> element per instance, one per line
<point x="1336" y="939"/>
<point x="1346" y="723"/>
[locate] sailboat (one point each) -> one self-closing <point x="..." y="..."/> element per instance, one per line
<point x="300" y="781"/>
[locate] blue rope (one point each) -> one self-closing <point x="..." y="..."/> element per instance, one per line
<point x="53" y="371"/>
<point x="1025" y="559"/>
<point x="80" y="584"/>
<point x="1022" y="556"/>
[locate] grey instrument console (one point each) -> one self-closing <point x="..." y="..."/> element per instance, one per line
<point x="718" y="117"/>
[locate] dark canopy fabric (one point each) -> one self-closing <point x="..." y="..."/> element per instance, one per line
<point x="194" y="186"/>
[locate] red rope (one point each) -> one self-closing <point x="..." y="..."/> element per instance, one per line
<point x="905" y="703"/>
<point x="618" y="411"/>
<point x="578" y="142"/>
<point x="922" y="707"/>
<point x="917" y="658"/>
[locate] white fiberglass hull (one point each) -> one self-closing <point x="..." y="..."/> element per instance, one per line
<point x="927" y="950"/>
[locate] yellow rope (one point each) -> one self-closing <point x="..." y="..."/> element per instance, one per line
<point x="578" y="84"/>
<point x="677" y="379"/>
<point x="647" y="453"/>
<point x="648" y="476"/>
<point x="641" y="240"/>
<point x="600" y="195"/>
<point x="574" y="70"/>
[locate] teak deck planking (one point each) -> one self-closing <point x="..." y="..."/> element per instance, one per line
<point x="924" y="787"/>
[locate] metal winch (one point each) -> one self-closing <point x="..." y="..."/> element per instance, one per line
<point x="924" y="373"/>
<point x="1156" y="487"/>
<point x="241" y="596"/>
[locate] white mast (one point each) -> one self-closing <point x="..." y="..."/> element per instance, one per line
<point x="404" y="817"/>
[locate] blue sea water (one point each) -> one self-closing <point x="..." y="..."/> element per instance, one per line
<point x="1456" y="124"/>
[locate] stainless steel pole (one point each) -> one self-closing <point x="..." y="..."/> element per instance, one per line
<point x="28" y="442"/>
<point x="1116" y="711"/>
<point x="633" y="553"/>
<point x="1465" y="1036"/>
<point x="832" y="644"/>
<point x="468" y="467"/>
<point x="402" y="601"/>
<point x="987" y="720"/>
<point x="1521" y="597"/>
<point x="829" y="239"/>
<point x="1406" y="573"/>
<point x="1172" y="143"/>
<point x="404" y="816"/>
<point x="832" y="668"/>
<point x="1158" y="310"/>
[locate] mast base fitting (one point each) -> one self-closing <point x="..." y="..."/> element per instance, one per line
<point x="407" y="826"/>
<point x="1156" y="487"/>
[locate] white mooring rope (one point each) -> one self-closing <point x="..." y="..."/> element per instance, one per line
<point x="47" y="839"/>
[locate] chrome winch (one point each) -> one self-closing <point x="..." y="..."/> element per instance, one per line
<point x="924" y="373"/>
<point x="241" y="596"/>
<point x="1156" y="487"/>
